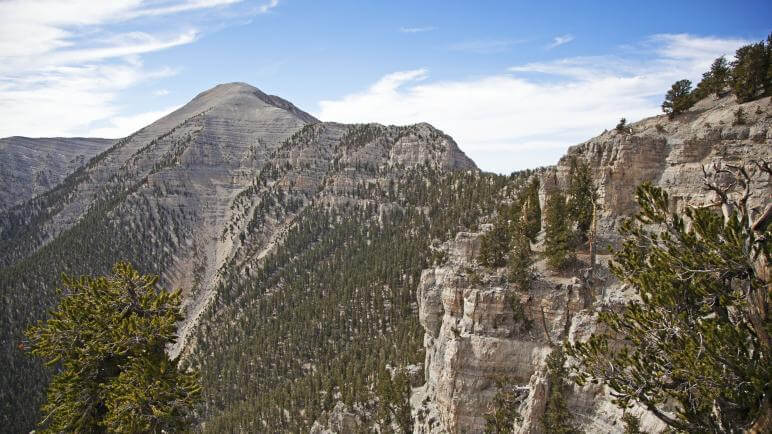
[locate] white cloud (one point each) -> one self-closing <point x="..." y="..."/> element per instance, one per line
<point x="181" y="7"/>
<point x="514" y="120"/>
<point x="416" y="29"/>
<point x="161" y="92"/>
<point x="560" y="40"/>
<point x="62" y="67"/>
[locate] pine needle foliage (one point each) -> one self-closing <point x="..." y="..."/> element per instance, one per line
<point x="521" y="257"/>
<point x="106" y="340"/>
<point x="532" y="209"/>
<point x="678" y="99"/>
<point x="558" y="239"/>
<point x="557" y="419"/>
<point x="696" y="344"/>
<point x="494" y="245"/>
<point x="503" y="411"/>
<point x="582" y="196"/>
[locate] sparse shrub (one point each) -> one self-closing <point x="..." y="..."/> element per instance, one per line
<point x="739" y="117"/>
<point x="632" y="424"/>
<point x="502" y="413"/>
<point x="622" y="125"/>
<point x="518" y="313"/>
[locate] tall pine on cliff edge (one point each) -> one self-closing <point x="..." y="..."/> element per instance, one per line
<point x="107" y="339"/>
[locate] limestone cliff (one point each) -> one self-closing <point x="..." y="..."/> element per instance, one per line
<point x="475" y="339"/>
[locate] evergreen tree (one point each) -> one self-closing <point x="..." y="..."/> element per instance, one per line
<point x="503" y="413"/>
<point x="557" y="419"/>
<point x="521" y="257"/>
<point x="678" y="99"/>
<point x="495" y="245"/>
<point x="715" y="80"/>
<point x="558" y="239"/>
<point x="750" y="71"/>
<point x="698" y="352"/>
<point x="581" y="197"/>
<point x="531" y="209"/>
<point x="107" y="338"/>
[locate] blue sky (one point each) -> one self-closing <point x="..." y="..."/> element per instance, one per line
<point x="515" y="83"/>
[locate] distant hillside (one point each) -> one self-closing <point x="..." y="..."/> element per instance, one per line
<point x="29" y="167"/>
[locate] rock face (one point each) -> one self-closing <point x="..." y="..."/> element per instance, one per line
<point x="475" y="339"/>
<point x="29" y="167"/>
<point x="670" y="154"/>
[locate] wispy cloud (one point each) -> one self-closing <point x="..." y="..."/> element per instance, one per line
<point x="264" y="8"/>
<point x="161" y="92"/>
<point x="62" y="65"/>
<point x="174" y="8"/>
<point x="560" y="40"/>
<point x="530" y="114"/>
<point x="417" y="29"/>
<point x="486" y="46"/>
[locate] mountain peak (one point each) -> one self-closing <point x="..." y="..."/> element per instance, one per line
<point x="227" y="92"/>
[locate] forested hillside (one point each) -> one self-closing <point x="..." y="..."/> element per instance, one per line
<point x="230" y="188"/>
<point x="331" y="315"/>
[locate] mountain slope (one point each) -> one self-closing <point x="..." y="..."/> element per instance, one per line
<point x="204" y="193"/>
<point x="29" y="167"/>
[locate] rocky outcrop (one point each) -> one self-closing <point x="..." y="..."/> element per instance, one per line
<point x="671" y="154"/>
<point x="482" y="332"/>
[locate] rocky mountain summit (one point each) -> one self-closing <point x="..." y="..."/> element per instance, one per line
<point x="474" y="339"/>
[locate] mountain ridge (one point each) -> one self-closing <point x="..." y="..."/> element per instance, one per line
<point x="163" y="198"/>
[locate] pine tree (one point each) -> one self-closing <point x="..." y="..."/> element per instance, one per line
<point x="750" y="71"/>
<point x="678" y="99"/>
<point x="717" y="77"/>
<point x="558" y="238"/>
<point x="698" y="352"/>
<point x="557" y="419"/>
<point x="521" y="257"/>
<point x="582" y="195"/>
<point x="495" y="245"/>
<point x="107" y="338"/>
<point x="531" y="209"/>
